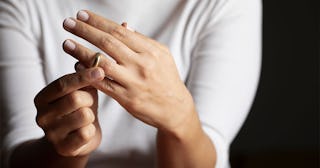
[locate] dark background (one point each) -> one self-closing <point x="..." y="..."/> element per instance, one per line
<point x="282" y="129"/>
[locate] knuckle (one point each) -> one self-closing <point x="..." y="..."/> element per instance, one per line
<point x="141" y="84"/>
<point x="152" y="52"/>
<point x="108" y="67"/>
<point x="134" y="104"/>
<point x="108" y="85"/>
<point x="87" y="133"/>
<point x="165" y="48"/>
<point x="147" y="69"/>
<point x="85" y="115"/>
<point x="119" y="32"/>
<point x="106" y="42"/>
<point x="79" y="78"/>
<point x="82" y="53"/>
<point x="61" y="85"/>
<point x="64" y="151"/>
<point x="111" y="68"/>
<point x="51" y="136"/>
<point x="72" y="153"/>
<point x="36" y="100"/>
<point x="145" y="73"/>
<point x="141" y="63"/>
<point x="149" y="66"/>
<point x="74" y="99"/>
<point x="61" y="151"/>
<point x="81" y="115"/>
<point x="41" y="121"/>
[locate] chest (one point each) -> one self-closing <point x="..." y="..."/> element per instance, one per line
<point x="168" y="23"/>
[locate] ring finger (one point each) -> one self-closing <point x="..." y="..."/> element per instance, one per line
<point x="106" y="42"/>
<point x="86" y="57"/>
<point x="73" y="121"/>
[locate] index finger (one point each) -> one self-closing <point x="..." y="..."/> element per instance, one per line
<point x="133" y="40"/>
<point x="67" y="84"/>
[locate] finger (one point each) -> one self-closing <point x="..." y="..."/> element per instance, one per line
<point x="70" y="103"/>
<point x="111" y="88"/>
<point x="135" y="41"/>
<point x="68" y="84"/>
<point x="86" y="57"/>
<point x="47" y="118"/>
<point x="73" y="121"/>
<point x="112" y="46"/>
<point x="77" y="139"/>
<point x="125" y="25"/>
<point x="108" y="86"/>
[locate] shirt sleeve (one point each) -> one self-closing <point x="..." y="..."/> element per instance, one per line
<point x="225" y="69"/>
<point x="21" y="77"/>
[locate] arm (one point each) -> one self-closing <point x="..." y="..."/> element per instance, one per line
<point x="223" y="79"/>
<point x="188" y="148"/>
<point x="21" y="78"/>
<point x="21" y="75"/>
<point x="155" y="94"/>
<point x="150" y="91"/>
<point x="225" y="71"/>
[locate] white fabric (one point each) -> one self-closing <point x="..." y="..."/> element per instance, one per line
<point x="216" y="45"/>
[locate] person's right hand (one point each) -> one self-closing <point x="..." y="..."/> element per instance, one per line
<point x="67" y="113"/>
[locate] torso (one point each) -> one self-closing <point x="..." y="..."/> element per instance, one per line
<point x="126" y="141"/>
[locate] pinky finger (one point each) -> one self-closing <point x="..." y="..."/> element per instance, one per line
<point x="75" y="142"/>
<point x="111" y="88"/>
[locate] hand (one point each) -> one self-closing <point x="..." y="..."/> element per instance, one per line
<point x="67" y="113"/>
<point x="143" y="78"/>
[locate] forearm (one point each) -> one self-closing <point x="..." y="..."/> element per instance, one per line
<point x="39" y="153"/>
<point x="190" y="148"/>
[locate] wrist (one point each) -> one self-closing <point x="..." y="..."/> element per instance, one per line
<point x="187" y="129"/>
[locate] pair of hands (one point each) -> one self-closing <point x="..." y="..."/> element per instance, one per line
<point x="143" y="78"/>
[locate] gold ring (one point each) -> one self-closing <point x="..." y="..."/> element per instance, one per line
<point x="96" y="60"/>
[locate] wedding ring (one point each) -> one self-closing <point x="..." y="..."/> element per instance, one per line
<point x="96" y="60"/>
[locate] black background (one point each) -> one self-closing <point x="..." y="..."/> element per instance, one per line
<point x="282" y="129"/>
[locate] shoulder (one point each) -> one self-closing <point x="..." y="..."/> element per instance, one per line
<point x="12" y="10"/>
<point x="18" y="13"/>
<point x="215" y="9"/>
<point x="29" y="17"/>
<point x="24" y="10"/>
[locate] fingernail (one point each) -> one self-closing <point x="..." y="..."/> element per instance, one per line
<point x="125" y="24"/>
<point x="79" y="67"/>
<point x="69" y="23"/>
<point x="69" y="45"/>
<point x="82" y="15"/>
<point x="97" y="74"/>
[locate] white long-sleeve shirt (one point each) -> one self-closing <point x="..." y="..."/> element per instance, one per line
<point x="216" y="45"/>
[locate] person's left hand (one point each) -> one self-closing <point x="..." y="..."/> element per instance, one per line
<point x="143" y="78"/>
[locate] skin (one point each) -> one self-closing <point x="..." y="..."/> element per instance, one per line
<point x="67" y="113"/>
<point x="143" y="79"/>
